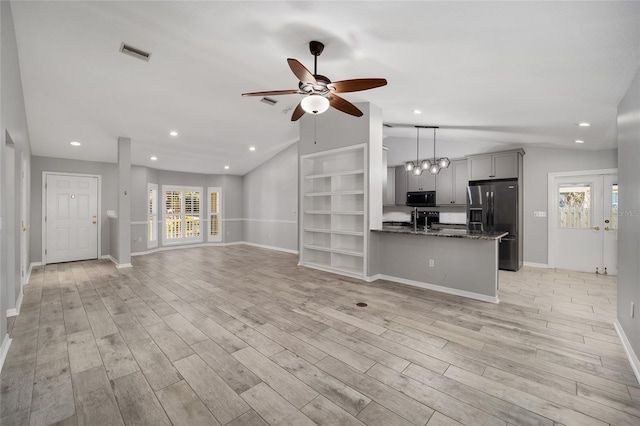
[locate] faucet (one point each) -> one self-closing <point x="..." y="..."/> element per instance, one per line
<point x="415" y="219"/>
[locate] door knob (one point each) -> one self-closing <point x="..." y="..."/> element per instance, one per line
<point x="597" y="228"/>
<point x="94" y="222"/>
<point x="607" y="229"/>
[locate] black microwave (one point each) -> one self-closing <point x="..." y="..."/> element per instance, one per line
<point x="421" y="198"/>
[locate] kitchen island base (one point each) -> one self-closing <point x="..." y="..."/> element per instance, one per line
<point x="461" y="266"/>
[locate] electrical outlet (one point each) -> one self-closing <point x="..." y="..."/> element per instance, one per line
<point x="432" y="263"/>
<point x="632" y="310"/>
<point x="539" y="214"/>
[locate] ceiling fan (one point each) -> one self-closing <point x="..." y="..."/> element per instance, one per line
<point x="320" y="91"/>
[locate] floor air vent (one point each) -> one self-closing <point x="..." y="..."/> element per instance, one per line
<point x="135" y="52"/>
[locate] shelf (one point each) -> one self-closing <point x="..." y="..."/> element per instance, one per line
<point x="348" y="252"/>
<point x="318" y="248"/>
<point x="324" y="194"/>
<point x="347" y="232"/>
<point x="349" y="270"/>
<point x="320" y="230"/>
<point x="332" y="174"/>
<point x="353" y="212"/>
<point x="317" y="212"/>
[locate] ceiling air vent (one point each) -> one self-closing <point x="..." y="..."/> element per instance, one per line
<point x="269" y="101"/>
<point x="135" y="52"/>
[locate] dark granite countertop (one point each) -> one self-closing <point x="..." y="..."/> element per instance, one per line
<point x="447" y="233"/>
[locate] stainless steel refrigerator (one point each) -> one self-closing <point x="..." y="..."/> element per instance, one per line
<point x="493" y="206"/>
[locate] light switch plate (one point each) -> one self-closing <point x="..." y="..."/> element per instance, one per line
<point x="539" y="214"/>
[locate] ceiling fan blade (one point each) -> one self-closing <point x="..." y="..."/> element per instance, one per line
<point x="273" y="93"/>
<point x="297" y="113"/>
<point x="303" y="74"/>
<point x="344" y="105"/>
<point x="357" y="84"/>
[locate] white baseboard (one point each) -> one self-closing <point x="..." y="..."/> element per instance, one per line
<point x="14" y="312"/>
<point x="235" y="243"/>
<point x="31" y="266"/>
<point x="633" y="357"/>
<point x="115" y="262"/>
<point x="270" y="247"/>
<point x="439" y="288"/>
<point x="536" y="265"/>
<point x="4" y="349"/>
<point x="124" y="265"/>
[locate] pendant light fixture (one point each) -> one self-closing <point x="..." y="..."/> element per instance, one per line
<point x="432" y="165"/>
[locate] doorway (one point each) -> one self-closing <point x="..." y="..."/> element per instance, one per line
<point x="71" y="217"/>
<point x="583" y="221"/>
<point x="24" y="221"/>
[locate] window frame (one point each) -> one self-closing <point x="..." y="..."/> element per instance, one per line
<point x="152" y="216"/>
<point x="183" y="239"/>
<point x="218" y="214"/>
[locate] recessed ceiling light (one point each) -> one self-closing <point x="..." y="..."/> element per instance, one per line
<point x="584" y="124"/>
<point x="75" y="143"/>
<point x="252" y="148"/>
<point x="226" y="167"/>
<point x="173" y="133"/>
<point x="579" y="141"/>
<point x="153" y="158"/>
<point x="417" y="111"/>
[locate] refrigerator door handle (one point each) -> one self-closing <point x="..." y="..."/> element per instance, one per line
<point x="492" y="210"/>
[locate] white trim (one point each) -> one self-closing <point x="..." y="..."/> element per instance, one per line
<point x="234" y="219"/>
<point x="43" y="236"/>
<point x="115" y="262"/>
<point x="124" y="265"/>
<point x="14" y="312"/>
<point x="333" y="270"/>
<point x="633" y="357"/>
<point x="220" y="237"/>
<point x="271" y="247"/>
<point x="439" y="288"/>
<point x="536" y="265"/>
<point x="140" y="222"/>
<point x="552" y="206"/>
<point x="4" y="349"/>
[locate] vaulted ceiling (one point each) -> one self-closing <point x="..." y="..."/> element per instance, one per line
<point x="486" y="72"/>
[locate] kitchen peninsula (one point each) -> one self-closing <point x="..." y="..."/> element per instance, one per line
<point x="451" y="261"/>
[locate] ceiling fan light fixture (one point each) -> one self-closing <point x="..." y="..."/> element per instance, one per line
<point x="315" y="104"/>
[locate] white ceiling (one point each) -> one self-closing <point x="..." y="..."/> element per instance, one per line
<point x="490" y="73"/>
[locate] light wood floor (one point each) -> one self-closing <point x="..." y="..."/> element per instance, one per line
<point x="243" y="336"/>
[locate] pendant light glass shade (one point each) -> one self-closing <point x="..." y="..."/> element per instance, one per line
<point x="443" y="162"/>
<point x="434" y="169"/>
<point x="425" y="164"/>
<point x="408" y="166"/>
<point x="315" y="104"/>
<point x="417" y="171"/>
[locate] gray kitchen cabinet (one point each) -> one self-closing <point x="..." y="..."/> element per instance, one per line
<point x="451" y="188"/>
<point x="390" y="193"/>
<point x="497" y="165"/>
<point x="425" y="182"/>
<point x="401" y="186"/>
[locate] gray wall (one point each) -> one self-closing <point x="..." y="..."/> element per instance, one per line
<point x="108" y="196"/>
<point x="233" y="211"/>
<point x="270" y="194"/>
<point x="629" y="211"/>
<point x="13" y="122"/>
<point x="538" y="163"/>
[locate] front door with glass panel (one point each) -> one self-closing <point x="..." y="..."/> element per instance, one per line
<point x="586" y="223"/>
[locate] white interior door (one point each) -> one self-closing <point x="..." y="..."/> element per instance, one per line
<point x="71" y="219"/>
<point x="610" y="225"/>
<point x="585" y="223"/>
<point x="24" y="222"/>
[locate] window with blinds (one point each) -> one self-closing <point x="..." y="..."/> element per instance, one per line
<point x="152" y="241"/>
<point x="182" y="214"/>
<point x="215" y="231"/>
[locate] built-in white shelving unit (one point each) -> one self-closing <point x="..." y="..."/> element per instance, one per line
<point x="334" y="225"/>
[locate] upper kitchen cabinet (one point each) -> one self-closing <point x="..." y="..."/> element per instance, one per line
<point x="425" y="182"/>
<point x="451" y="184"/>
<point x="496" y="165"/>
<point x="401" y="186"/>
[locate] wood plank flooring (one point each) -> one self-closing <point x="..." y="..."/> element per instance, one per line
<point x="243" y="336"/>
